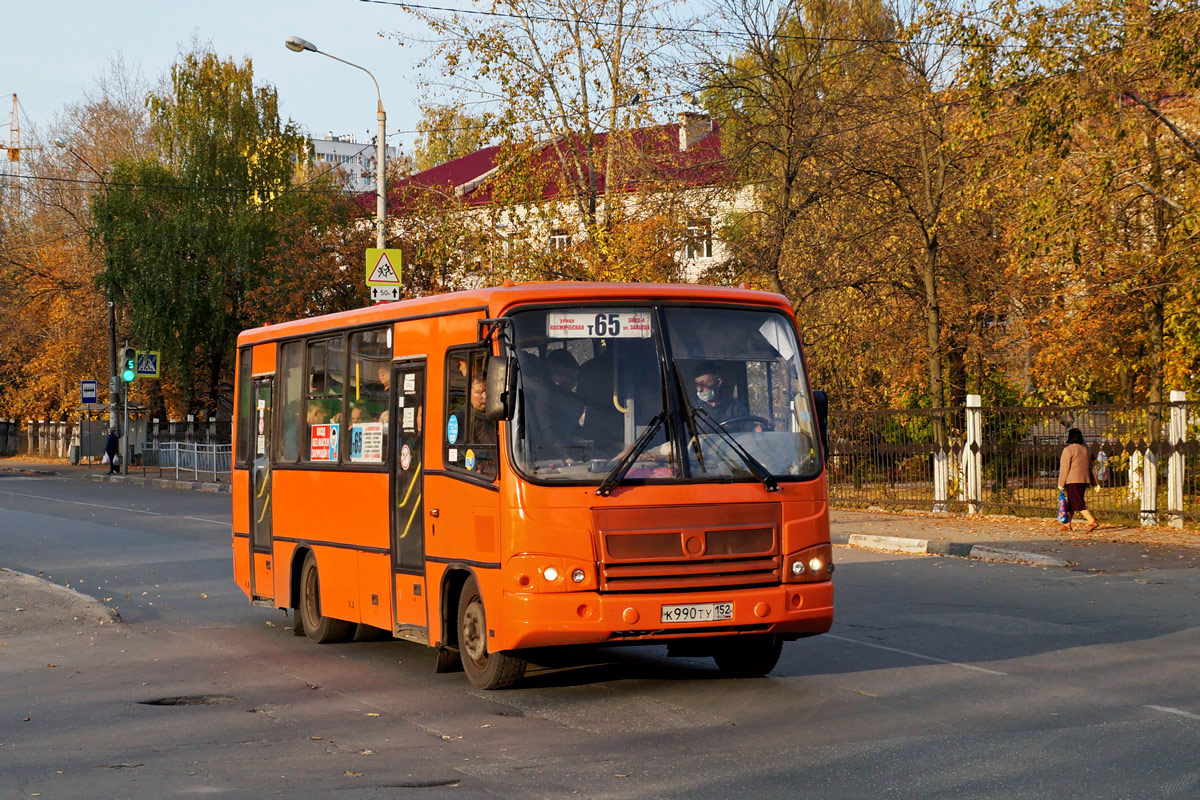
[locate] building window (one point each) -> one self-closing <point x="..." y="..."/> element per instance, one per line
<point x="559" y="239"/>
<point x="699" y="238"/>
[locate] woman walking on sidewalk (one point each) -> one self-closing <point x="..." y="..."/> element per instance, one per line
<point x="1074" y="476"/>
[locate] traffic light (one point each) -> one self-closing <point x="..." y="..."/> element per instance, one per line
<point x="129" y="364"/>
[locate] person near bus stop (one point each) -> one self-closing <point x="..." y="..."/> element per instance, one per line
<point x="1074" y="476"/>
<point x="112" y="446"/>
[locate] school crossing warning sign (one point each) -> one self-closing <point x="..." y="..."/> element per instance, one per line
<point x="383" y="267"/>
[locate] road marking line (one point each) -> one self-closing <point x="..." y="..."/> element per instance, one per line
<point x="209" y="521"/>
<point x="79" y="503"/>
<point x="915" y="655"/>
<point x="1187" y="714"/>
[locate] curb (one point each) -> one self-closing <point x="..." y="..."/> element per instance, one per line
<point x="164" y="483"/>
<point x="113" y="615"/>
<point x="27" y="471"/>
<point x="899" y="544"/>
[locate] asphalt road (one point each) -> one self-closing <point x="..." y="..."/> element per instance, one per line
<point x="942" y="678"/>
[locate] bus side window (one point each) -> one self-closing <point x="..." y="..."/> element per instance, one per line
<point x="245" y="416"/>
<point x="470" y="440"/>
<point x="323" y="408"/>
<point x="291" y="392"/>
<point x="369" y="379"/>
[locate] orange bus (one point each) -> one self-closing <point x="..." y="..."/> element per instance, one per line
<point x="526" y="466"/>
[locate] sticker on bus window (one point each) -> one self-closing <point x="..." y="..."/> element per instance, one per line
<point x="452" y="454"/>
<point x="405" y="457"/>
<point x="366" y="442"/>
<point x="410" y="382"/>
<point x="323" y="443"/>
<point x="469" y="459"/>
<point x="452" y="429"/>
<point x="409" y="423"/>
<point x="599" y="325"/>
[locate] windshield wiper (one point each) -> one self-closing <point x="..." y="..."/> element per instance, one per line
<point x="760" y="472"/>
<point x="617" y="473"/>
<point x="689" y="416"/>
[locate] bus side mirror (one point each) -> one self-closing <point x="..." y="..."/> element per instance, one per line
<point x="501" y="383"/>
<point x="821" y="401"/>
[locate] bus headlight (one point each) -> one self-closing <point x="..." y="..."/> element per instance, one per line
<point x="542" y="572"/>
<point x="810" y="565"/>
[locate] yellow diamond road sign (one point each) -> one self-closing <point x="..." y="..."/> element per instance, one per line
<point x="383" y="267"/>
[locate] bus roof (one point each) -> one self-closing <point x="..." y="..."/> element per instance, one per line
<point x="496" y="300"/>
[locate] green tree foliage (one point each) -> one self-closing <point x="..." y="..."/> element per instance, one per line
<point x="185" y="232"/>
<point x="448" y="132"/>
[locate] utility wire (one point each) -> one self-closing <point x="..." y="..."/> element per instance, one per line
<point x="716" y="32"/>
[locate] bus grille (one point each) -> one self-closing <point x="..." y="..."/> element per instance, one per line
<point x="690" y="555"/>
<point x="691" y="575"/>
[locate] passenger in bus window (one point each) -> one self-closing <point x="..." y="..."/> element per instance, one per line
<point x="318" y="414"/>
<point x="563" y="410"/>
<point x="482" y="431"/>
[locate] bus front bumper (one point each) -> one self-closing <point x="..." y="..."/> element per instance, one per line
<point x="549" y="619"/>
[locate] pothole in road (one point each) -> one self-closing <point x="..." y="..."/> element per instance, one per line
<point x="190" y="700"/>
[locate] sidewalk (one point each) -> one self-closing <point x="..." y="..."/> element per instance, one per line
<point x="99" y="472"/>
<point x="1110" y="548"/>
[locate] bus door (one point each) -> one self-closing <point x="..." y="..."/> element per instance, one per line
<point x="262" y="581"/>
<point x="408" y="484"/>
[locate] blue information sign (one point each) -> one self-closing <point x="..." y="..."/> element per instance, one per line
<point x="87" y="391"/>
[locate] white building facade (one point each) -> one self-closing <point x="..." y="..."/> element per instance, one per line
<point x="354" y="158"/>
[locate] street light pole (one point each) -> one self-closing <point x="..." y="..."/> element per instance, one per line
<point x="298" y="45"/>
<point x="113" y="386"/>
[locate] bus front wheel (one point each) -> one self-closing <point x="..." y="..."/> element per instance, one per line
<point x="749" y="657"/>
<point x="320" y="629"/>
<point x="485" y="670"/>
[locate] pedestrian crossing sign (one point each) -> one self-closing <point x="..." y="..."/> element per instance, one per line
<point x="383" y="267"/>
<point x="147" y="364"/>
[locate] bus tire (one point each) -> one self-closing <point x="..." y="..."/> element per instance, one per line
<point x="750" y="657"/>
<point x="319" y="628"/>
<point x="485" y="670"/>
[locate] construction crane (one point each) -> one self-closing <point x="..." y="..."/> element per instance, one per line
<point x="14" y="151"/>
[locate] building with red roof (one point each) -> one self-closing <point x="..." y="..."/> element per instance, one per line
<point x="546" y="195"/>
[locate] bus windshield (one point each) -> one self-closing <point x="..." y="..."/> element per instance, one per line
<point x="721" y="391"/>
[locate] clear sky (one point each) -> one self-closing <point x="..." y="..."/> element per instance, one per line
<point x="51" y="50"/>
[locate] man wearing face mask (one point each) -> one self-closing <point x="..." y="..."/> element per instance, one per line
<point x="720" y="404"/>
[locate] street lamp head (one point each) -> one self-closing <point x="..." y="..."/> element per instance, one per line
<point x="298" y="45"/>
<point x="60" y="142"/>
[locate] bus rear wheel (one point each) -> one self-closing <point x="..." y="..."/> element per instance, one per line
<point x="748" y="657"/>
<point x="319" y="628"/>
<point x="485" y="670"/>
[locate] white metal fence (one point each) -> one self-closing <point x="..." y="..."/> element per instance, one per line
<point x="188" y="457"/>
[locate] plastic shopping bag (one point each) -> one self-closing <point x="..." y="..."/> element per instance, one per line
<point x="1062" y="506"/>
<point x="105" y="459"/>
